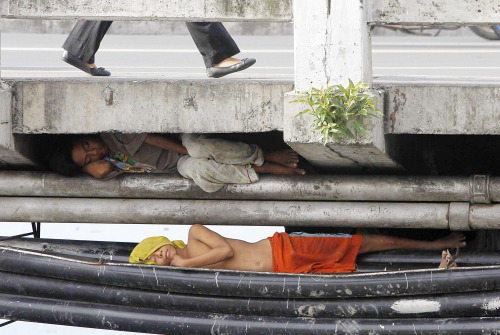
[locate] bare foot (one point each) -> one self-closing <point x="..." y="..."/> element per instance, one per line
<point x="228" y="62"/>
<point x="445" y="259"/>
<point x="91" y="65"/>
<point x="285" y="157"/>
<point x="454" y="240"/>
<point x="274" y="168"/>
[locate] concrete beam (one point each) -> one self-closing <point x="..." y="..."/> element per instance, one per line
<point x="11" y="148"/>
<point x="478" y="12"/>
<point x="453" y="12"/>
<point x="442" y="109"/>
<point x="164" y="106"/>
<point x="175" y="10"/>
<point x="362" y="153"/>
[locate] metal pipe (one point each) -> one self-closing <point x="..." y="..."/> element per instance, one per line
<point x="124" y="318"/>
<point x="247" y="284"/>
<point x="119" y="252"/>
<point x="448" y="305"/>
<point x="476" y="189"/>
<point x="227" y="212"/>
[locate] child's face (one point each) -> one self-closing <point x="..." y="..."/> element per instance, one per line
<point x="163" y="255"/>
<point x="88" y="150"/>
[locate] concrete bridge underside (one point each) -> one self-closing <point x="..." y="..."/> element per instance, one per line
<point x="36" y="107"/>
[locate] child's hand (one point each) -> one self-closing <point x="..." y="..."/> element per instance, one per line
<point x="178" y="261"/>
<point x="98" y="169"/>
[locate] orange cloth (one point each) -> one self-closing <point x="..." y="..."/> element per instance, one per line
<point x="314" y="254"/>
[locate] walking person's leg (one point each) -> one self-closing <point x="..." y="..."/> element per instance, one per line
<point x="82" y="44"/>
<point x="217" y="48"/>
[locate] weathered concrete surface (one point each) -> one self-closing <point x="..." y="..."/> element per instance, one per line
<point x="193" y="10"/>
<point x="143" y="27"/>
<point x="477" y="12"/>
<point x="437" y="109"/>
<point x="366" y="152"/>
<point x="323" y="55"/>
<point x="11" y="148"/>
<point x="169" y="106"/>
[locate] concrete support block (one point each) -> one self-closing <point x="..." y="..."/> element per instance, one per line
<point x="477" y="12"/>
<point x="10" y="147"/>
<point x="323" y="54"/>
<point x="444" y="109"/>
<point x="181" y="10"/>
<point x="362" y="153"/>
<point x="170" y="106"/>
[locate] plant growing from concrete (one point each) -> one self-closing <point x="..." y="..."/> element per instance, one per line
<point x="337" y="109"/>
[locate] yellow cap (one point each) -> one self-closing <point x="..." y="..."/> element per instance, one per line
<point x="148" y="246"/>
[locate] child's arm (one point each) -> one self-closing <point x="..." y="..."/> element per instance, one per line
<point x="165" y="143"/>
<point x="220" y="249"/>
<point x="98" y="169"/>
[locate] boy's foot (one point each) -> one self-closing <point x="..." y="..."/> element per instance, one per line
<point x="274" y="168"/>
<point x="285" y="157"/>
<point x="453" y="240"/>
<point x="445" y="259"/>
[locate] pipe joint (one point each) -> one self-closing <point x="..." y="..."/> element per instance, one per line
<point x="480" y="189"/>
<point x="458" y="216"/>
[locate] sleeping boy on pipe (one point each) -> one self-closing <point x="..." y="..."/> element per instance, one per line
<point x="210" y="162"/>
<point x="280" y="253"/>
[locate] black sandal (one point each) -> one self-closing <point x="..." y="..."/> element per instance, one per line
<point x="78" y="63"/>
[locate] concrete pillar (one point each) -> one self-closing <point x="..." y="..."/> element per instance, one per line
<point x="332" y="45"/>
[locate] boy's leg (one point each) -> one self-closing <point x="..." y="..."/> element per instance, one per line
<point x="222" y="151"/>
<point x="212" y="176"/>
<point x="371" y="243"/>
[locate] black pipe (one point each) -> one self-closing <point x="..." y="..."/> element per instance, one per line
<point x="124" y="318"/>
<point x="252" y="284"/>
<point x="107" y="250"/>
<point x="392" y="260"/>
<point x="453" y="305"/>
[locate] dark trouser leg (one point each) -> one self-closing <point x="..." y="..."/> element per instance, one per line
<point x="213" y="41"/>
<point x="85" y="39"/>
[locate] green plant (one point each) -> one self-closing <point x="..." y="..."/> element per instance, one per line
<point x="336" y="109"/>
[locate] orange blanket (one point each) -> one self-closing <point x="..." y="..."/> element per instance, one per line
<point x="314" y="254"/>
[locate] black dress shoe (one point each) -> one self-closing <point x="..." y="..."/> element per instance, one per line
<point x="78" y="63"/>
<point x="221" y="71"/>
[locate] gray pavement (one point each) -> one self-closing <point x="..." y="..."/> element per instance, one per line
<point x="457" y="59"/>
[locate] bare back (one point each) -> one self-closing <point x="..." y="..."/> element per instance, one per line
<point x="247" y="256"/>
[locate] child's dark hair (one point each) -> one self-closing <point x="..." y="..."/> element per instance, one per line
<point x="60" y="160"/>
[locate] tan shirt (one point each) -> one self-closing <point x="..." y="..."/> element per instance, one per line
<point x="133" y="146"/>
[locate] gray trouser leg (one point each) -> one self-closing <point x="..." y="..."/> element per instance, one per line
<point x="212" y="176"/>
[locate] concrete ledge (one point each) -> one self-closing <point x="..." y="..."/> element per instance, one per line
<point x="443" y="110"/>
<point x="168" y="106"/>
<point x="477" y="12"/>
<point x="176" y="10"/>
